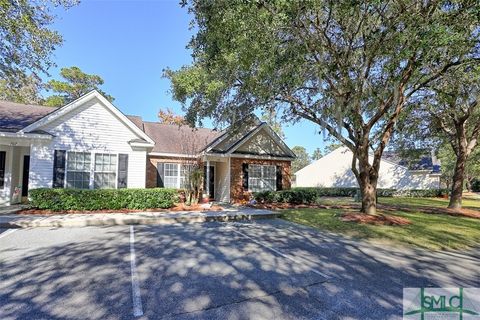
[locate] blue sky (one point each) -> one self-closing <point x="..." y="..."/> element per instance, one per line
<point x="129" y="43"/>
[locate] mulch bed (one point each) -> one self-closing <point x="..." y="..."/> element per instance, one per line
<point x="380" y="219"/>
<point x="375" y="219"/>
<point x="464" y="212"/>
<point x="178" y="208"/>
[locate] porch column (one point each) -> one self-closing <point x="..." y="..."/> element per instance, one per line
<point x="207" y="182"/>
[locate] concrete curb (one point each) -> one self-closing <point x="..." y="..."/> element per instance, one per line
<point x="72" y="221"/>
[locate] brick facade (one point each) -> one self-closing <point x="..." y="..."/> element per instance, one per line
<point x="151" y="177"/>
<point x="237" y="193"/>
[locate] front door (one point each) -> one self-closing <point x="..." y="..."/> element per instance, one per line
<point x="211" y="181"/>
<point x="26" y="171"/>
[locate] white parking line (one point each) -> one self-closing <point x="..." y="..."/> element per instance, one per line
<point x="136" y="297"/>
<point x="6" y="233"/>
<point x="279" y="253"/>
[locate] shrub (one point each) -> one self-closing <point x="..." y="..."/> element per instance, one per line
<point x="313" y="195"/>
<point x="102" y="199"/>
<point x="476" y="185"/>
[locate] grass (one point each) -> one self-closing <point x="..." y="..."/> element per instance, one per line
<point x="431" y="231"/>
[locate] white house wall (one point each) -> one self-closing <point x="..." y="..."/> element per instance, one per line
<point x="222" y="187"/>
<point x="92" y="128"/>
<point x="334" y="170"/>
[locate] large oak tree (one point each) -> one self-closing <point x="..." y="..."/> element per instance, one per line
<point x="27" y="39"/>
<point x="348" y="66"/>
<point x="452" y="108"/>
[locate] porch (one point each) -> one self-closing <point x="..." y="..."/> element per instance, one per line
<point x="217" y="169"/>
<point x="14" y="172"/>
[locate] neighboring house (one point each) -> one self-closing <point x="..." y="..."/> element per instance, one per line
<point x="334" y="170"/>
<point x="90" y="144"/>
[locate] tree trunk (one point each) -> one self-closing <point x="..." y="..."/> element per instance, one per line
<point x="369" y="198"/>
<point x="457" y="181"/>
<point x="367" y="178"/>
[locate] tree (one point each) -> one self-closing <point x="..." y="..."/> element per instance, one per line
<point x="349" y="67"/>
<point x="331" y="147"/>
<point x="302" y="160"/>
<point x="26" y="90"/>
<point x="26" y="40"/>
<point x="167" y="116"/>
<point x="271" y="118"/>
<point x="317" y="154"/>
<point x="76" y="84"/>
<point x="453" y="108"/>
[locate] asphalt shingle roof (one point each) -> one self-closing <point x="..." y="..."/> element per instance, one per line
<point x="16" y="116"/>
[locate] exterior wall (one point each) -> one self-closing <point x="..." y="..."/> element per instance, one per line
<point x="237" y="193"/>
<point x="92" y="128"/>
<point x="261" y="143"/>
<point x="222" y="188"/>
<point x="151" y="176"/>
<point x="334" y="170"/>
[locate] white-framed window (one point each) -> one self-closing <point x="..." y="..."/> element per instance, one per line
<point x="105" y="171"/>
<point x="174" y="174"/>
<point x="171" y="175"/>
<point x="78" y="170"/>
<point x="262" y="177"/>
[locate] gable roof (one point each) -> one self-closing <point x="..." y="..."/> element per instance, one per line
<point x="179" y="139"/>
<point x="171" y="139"/>
<point x="59" y="112"/>
<point x="426" y="160"/>
<point x="16" y="116"/>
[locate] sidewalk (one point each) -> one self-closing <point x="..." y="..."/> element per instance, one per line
<point x="11" y="220"/>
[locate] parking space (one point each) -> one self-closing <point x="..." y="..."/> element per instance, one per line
<point x="267" y="269"/>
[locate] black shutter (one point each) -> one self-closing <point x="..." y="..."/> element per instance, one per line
<point x="245" y="175"/>
<point x="2" y="169"/>
<point x="59" y="168"/>
<point x="279" y="178"/>
<point x="122" y="178"/>
<point x="160" y="175"/>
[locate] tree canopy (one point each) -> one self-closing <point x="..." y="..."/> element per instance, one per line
<point x="27" y="90"/>
<point x="302" y="160"/>
<point x="76" y="83"/>
<point x="26" y="38"/>
<point x="317" y="154"/>
<point x="349" y="67"/>
<point x="167" y="116"/>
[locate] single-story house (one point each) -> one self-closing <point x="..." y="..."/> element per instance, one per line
<point x="334" y="170"/>
<point x="90" y="144"/>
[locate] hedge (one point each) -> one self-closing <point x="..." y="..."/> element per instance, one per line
<point x="102" y="199"/>
<point x="312" y="195"/>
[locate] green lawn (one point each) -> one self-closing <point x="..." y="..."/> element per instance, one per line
<point x="432" y="231"/>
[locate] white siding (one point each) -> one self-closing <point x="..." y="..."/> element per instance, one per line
<point x="334" y="170"/>
<point x="261" y="143"/>
<point x="222" y="187"/>
<point x="91" y="127"/>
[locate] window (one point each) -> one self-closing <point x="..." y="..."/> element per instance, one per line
<point x="171" y="175"/>
<point x="262" y="177"/>
<point x="2" y="169"/>
<point x="105" y="171"/>
<point x="174" y="174"/>
<point x="78" y="170"/>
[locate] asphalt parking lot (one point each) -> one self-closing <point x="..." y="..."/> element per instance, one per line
<point x="268" y="269"/>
